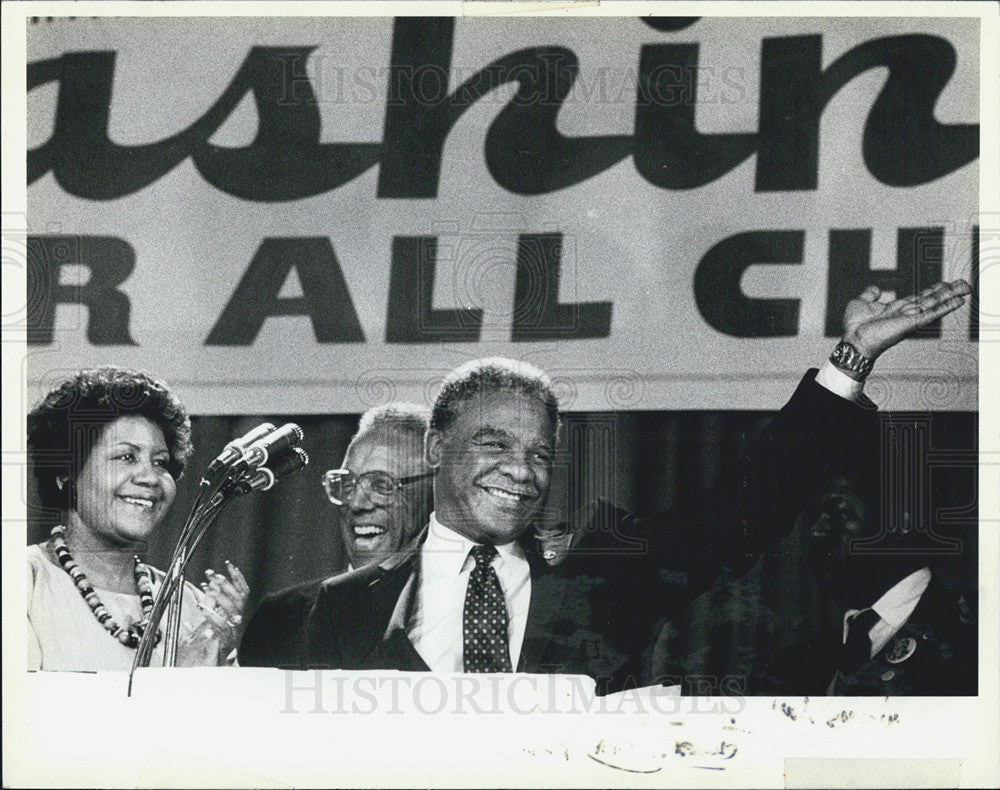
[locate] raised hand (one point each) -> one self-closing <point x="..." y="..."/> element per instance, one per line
<point x="872" y="326"/>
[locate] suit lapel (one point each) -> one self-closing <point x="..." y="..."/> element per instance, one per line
<point x="395" y="651"/>
<point x="933" y="609"/>
<point x="385" y="591"/>
<point x="549" y="554"/>
<point x="392" y="650"/>
<point x="547" y="591"/>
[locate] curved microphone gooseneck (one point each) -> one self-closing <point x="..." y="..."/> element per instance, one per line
<point x="253" y="462"/>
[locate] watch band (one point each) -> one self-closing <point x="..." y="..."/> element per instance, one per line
<point x="849" y="359"/>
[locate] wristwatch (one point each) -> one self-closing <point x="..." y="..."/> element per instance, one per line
<point x="850" y="360"/>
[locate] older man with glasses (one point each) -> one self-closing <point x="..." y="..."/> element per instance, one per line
<point x="383" y="489"/>
<point x="383" y="494"/>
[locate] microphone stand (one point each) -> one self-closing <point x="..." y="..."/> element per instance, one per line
<point x="209" y="503"/>
<point x="239" y="475"/>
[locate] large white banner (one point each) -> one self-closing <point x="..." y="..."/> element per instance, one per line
<point x="315" y="215"/>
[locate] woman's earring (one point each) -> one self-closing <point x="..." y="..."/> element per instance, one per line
<point x="67" y="487"/>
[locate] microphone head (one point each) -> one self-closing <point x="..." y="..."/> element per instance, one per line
<point x="290" y="461"/>
<point x="279" y="440"/>
<point x="233" y="451"/>
<point x="264" y="477"/>
<point x="259" y="480"/>
<point x="287" y="435"/>
<point x="268" y="476"/>
<point x="250" y="437"/>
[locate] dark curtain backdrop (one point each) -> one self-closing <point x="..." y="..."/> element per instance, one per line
<point x="638" y="460"/>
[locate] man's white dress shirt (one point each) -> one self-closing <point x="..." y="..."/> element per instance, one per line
<point x="435" y="622"/>
<point x="894" y="608"/>
<point x="838" y="382"/>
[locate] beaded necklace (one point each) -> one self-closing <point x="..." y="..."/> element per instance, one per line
<point x="143" y="581"/>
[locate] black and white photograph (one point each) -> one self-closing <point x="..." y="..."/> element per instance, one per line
<point x="500" y="394"/>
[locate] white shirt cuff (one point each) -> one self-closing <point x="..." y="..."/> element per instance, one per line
<point x="838" y="382"/>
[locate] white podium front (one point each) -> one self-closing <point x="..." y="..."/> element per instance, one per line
<point x="239" y="727"/>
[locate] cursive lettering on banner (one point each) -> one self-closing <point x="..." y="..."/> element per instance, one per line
<point x="903" y="144"/>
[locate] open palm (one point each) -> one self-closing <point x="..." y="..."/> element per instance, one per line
<point x="872" y="326"/>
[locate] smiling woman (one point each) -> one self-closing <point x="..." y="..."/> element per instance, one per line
<point x="107" y="447"/>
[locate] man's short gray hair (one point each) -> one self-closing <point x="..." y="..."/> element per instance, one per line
<point x="400" y="418"/>
<point x="490" y="375"/>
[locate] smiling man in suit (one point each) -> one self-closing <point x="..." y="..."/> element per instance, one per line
<point x="484" y="594"/>
<point x="382" y="496"/>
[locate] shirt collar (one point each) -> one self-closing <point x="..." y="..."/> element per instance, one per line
<point x="899" y="601"/>
<point x="446" y="552"/>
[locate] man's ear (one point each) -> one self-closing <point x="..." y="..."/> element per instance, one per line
<point x="433" y="450"/>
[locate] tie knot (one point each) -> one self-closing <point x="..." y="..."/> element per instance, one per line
<point x="483" y="555"/>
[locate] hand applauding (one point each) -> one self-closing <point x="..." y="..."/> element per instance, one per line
<point x="223" y="604"/>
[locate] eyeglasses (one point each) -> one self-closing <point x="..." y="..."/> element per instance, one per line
<point x="380" y="487"/>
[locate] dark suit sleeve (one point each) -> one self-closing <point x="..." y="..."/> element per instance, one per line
<point x="673" y="556"/>
<point x="274" y="635"/>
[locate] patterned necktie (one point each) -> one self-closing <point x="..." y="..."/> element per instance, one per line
<point x="857" y="650"/>
<point x="484" y="620"/>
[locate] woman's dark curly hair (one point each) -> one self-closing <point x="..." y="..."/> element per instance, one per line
<point x="64" y="425"/>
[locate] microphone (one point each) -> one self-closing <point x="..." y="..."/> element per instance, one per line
<point x="288" y="435"/>
<point x="264" y="478"/>
<point x="234" y="450"/>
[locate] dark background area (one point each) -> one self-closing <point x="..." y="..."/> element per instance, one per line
<point x="641" y="461"/>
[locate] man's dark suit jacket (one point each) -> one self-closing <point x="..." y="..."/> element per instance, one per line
<point x="595" y="611"/>
<point x="934" y="654"/>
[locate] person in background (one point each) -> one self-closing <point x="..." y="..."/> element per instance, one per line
<point x="382" y="493"/>
<point x="108" y="447"/>
<point x="382" y="489"/>
<point x="896" y="627"/>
